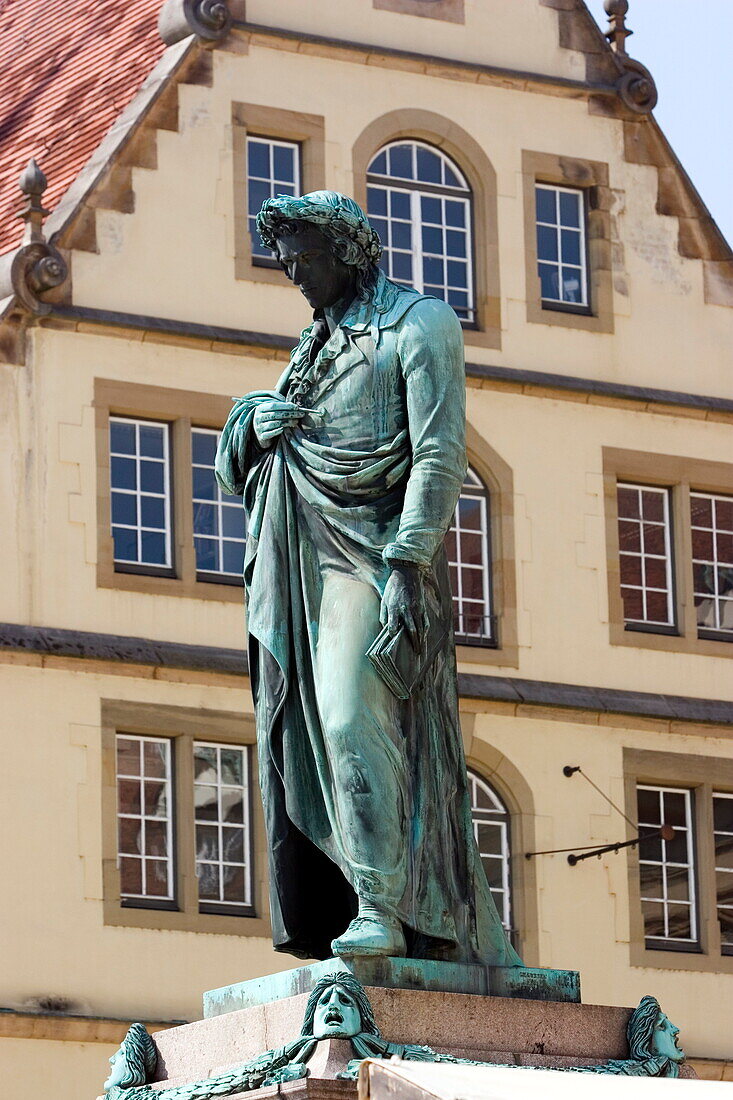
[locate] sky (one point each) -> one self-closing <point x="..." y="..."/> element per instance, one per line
<point x="686" y="45"/>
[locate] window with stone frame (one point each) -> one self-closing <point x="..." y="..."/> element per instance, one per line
<point x="681" y="889"/>
<point x="155" y="819"/>
<point x="491" y="830"/>
<point x="468" y="546"/>
<point x="420" y="204"/>
<point x="669" y="539"/>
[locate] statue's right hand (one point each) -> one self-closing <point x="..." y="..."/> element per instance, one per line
<point x="273" y="417"/>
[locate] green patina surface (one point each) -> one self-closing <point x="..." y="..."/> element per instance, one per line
<point x="390" y="973"/>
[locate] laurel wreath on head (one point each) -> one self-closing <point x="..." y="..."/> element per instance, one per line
<point x="335" y="218"/>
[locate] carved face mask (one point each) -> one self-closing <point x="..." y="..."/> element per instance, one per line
<point x="664" y="1039"/>
<point x="118" y="1064"/>
<point x="337" y="1015"/>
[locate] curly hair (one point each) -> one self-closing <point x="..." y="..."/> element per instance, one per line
<point x="640" y="1028"/>
<point x="140" y="1057"/>
<point x="341" y="221"/>
<point x="354" y="988"/>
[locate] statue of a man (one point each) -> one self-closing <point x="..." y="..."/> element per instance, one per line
<point x="350" y="470"/>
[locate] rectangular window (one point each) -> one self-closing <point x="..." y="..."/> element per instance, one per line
<point x="723" y="836"/>
<point x="667" y="868"/>
<point x="561" y="247"/>
<point x="218" y="518"/>
<point x="711" y="520"/>
<point x="140" y="493"/>
<point x="645" y="554"/>
<point x="222" y="820"/>
<point x="273" y="168"/>
<point x="145" y="820"/>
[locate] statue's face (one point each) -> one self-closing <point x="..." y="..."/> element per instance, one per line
<point x="664" y="1039"/>
<point x="308" y="262"/>
<point x="117" y="1062"/>
<point x="337" y="1015"/>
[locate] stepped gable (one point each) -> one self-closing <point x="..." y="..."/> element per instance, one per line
<point x="67" y="70"/>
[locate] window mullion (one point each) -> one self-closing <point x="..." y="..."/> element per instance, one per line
<point x="181" y="495"/>
<point x="683" y="572"/>
<point x="417" y="251"/>
<point x="707" y="907"/>
<point x="187" y="892"/>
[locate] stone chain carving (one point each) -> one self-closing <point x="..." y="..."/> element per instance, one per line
<point x="36" y="266"/>
<point x="339" y="1008"/>
<point x="209" y="20"/>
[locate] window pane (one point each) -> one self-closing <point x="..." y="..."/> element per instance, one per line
<point x="645" y="564"/>
<point x="547" y="243"/>
<point x="140" y="495"/>
<point x="144" y="817"/>
<point x="222" y="822"/>
<point x="467" y="546"/>
<point x="400" y="161"/>
<point x="491" y="831"/>
<point x="711" y="517"/>
<point x="666" y="868"/>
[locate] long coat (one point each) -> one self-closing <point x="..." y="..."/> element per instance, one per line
<point x="363" y="794"/>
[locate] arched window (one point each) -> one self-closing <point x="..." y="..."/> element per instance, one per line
<point x="491" y="829"/>
<point x="420" y="204"/>
<point x="469" y="558"/>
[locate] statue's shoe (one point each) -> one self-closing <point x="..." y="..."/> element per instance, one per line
<point x="369" y="936"/>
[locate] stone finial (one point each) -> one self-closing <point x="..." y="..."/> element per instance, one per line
<point x="209" y="20"/>
<point x="33" y="183"/>
<point x="617" y="32"/>
<point x="36" y="266"/>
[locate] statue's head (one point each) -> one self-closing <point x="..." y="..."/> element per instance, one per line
<point x="324" y="243"/>
<point x="338" y="1008"/>
<point x="652" y="1034"/>
<point x="134" y="1063"/>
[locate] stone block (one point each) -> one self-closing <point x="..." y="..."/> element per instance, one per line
<point x="424" y="974"/>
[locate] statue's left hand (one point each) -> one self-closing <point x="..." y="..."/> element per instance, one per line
<point x="402" y="603"/>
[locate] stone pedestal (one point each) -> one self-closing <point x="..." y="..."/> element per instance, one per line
<point x="509" y="1026"/>
<point x="520" y="1018"/>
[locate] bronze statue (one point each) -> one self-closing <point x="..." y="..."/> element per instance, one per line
<point x="351" y="470"/>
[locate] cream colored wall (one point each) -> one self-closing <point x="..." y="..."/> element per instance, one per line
<point x="519" y="35"/>
<point x="554" y="448"/>
<point x="192" y="276"/>
<point x="583" y="910"/>
<point x="46" y="1067"/>
<point x="54" y="936"/>
<point x="54" y="931"/>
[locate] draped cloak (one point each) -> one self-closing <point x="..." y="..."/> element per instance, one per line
<point x="368" y="478"/>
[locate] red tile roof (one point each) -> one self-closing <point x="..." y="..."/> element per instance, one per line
<point x="67" y="69"/>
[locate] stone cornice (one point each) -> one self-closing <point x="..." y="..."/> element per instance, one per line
<point x="447" y="67"/>
<point x="87" y="646"/>
<point x="241" y="339"/>
<point x="70" y="1028"/>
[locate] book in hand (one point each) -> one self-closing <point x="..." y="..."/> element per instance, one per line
<point x="400" y="665"/>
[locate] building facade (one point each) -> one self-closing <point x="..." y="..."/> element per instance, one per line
<point x="507" y="155"/>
